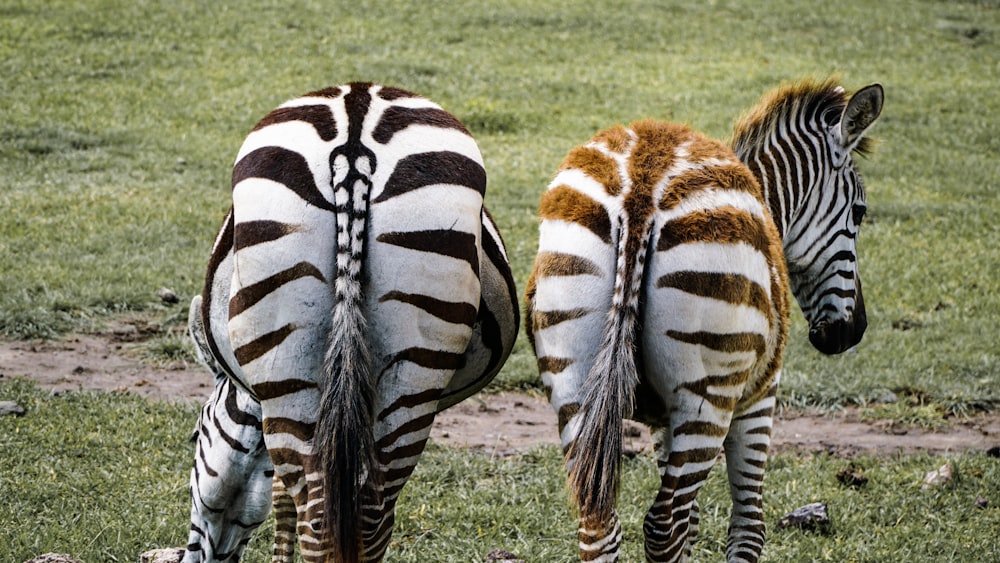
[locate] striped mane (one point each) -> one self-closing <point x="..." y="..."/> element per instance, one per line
<point x="799" y="100"/>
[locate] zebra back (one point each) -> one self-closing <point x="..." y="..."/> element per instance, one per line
<point x="364" y="202"/>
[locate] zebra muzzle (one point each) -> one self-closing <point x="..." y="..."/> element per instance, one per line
<point x="839" y="335"/>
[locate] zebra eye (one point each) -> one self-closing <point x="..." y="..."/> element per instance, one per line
<point x="858" y="211"/>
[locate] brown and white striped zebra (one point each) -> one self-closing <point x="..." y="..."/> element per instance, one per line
<point x="659" y="293"/>
<point x="357" y="288"/>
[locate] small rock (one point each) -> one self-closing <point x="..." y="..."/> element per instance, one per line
<point x="939" y="477"/>
<point x="54" y="558"/>
<point x="169" y="555"/>
<point x="886" y="398"/>
<point x="981" y="502"/>
<point x="809" y="517"/>
<point x="994" y="451"/>
<point x="10" y="408"/>
<point x="502" y="556"/>
<point x="167" y="296"/>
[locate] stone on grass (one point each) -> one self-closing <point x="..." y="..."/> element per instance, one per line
<point x="502" y="556"/>
<point x="939" y="477"/>
<point x="168" y="555"/>
<point x="10" y="408"/>
<point x="167" y="296"/>
<point x="812" y="517"/>
<point x="54" y="558"/>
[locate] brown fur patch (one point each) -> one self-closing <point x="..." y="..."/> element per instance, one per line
<point x="616" y="138"/>
<point x="700" y="428"/>
<point x="301" y="430"/>
<point x="552" y="264"/>
<point x="553" y="365"/>
<point x="731" y="288"/>
<point x="724" y="225"/>
<point x="733" y="176"/>
<point x="728" y="343"/>
<point x="597" y="165"/>
<point x="545" y="319"/>
<point x="701" y="148"/>
<point x="654" y="152"/>
<point x="566" y="412"/>
<point x="567" y="204"/>
<point x="702" y="387"/>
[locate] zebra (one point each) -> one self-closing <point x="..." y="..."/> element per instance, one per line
<point x="660" y="293"/>
<point x="232" y="479"/>
<point x="357" y="287"/>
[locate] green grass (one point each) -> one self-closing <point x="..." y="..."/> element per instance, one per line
<point x="103" y="477"/>
<point x="120" y="121"/>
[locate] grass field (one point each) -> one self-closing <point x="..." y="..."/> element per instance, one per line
<point x="119" y="122"/>
<point x="104" y="477"/>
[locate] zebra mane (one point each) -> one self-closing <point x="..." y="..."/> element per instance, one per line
<point x="789" y="102"/>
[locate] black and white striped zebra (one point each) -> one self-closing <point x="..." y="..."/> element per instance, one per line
<point x="660" y="293"/>
<point x="357" y="288"/>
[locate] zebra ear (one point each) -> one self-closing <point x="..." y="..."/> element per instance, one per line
<point x="862" y="110"/>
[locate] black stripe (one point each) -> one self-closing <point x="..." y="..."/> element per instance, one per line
<point x="454" y="244"/>
<point x="252" y="294"/>
<point x="319" y="116"/>
<point x="408" y="427"/>
<point x="233" y="442"/>
<point x="222" y="249"/>
<point x="235" y="414"/>
<point x="262" y="345"/>
<point x="409" y="401"/>
<point x="273" y="389"/>
<point x="427" y="358"/>
<point x="285" y="167"/>
<point x="430" y="168"/>
<point x="492" y="339"/>
<point x="448" y="311"/>
<point x="397" y="118"/>
<point x="251" y="233"/>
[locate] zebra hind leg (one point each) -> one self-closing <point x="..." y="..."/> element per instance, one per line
<point x="284" y="523"/>
<point x="685" y="456"/>
<point x="231" y="477"/>
<point x="746" y="448"/>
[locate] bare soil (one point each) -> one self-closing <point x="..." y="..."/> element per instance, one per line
<point x="497" y="424"/>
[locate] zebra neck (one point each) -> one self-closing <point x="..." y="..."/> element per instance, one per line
<point x="785" y="178"/>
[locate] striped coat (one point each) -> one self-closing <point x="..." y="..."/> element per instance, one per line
<point x="660" y="293"/>
<point x="357" y="287"/>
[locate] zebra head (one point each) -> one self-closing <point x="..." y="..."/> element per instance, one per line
<point x="821" y="233"/>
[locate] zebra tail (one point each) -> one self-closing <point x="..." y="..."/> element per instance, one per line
<point x="609" y="390"/>
<point x="345" y="438"/>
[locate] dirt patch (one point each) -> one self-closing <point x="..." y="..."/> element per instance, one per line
<point x="495" y="424"/>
